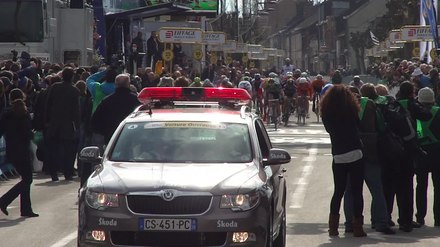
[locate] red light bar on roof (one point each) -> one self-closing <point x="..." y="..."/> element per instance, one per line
<point x="149" y="94"/>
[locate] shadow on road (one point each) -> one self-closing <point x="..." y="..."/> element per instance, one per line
<point x="373" y="238"/>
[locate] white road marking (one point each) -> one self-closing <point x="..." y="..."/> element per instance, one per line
<point x="64" y="241"/>
<point x="300" y="191"/>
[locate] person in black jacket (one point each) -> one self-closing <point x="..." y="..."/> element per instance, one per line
<point x="62" y="122"/>
<point x="114" y="108"/>
<point x="339" y="109"/>
<point x="16" y="127"/>
<point x="404" y="179"/>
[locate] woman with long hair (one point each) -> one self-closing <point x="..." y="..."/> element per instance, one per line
<point x="16" y="128"/>
<point x="339" y="111"/>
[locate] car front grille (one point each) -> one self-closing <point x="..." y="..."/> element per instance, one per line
<point x="151" y="204"/>
<point x="168" y="239"/>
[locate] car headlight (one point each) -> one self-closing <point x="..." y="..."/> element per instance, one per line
<point x="101" y="201"/>
<point x="240" y="202"/>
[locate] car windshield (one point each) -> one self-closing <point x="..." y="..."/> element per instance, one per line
<point x="183" y="142"/>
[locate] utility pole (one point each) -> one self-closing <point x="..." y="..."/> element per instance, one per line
<point x="238" y="21"/>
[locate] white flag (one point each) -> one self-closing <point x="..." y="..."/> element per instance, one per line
<point x="374" y="39"/>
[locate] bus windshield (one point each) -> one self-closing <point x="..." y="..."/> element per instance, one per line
<point x="21" y="21"/>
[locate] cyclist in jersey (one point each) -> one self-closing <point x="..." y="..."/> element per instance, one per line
<point x="317" y="86"/>
<point x="273" y="90"/>
<point x="304" y="89"/>
<point x="289" y="90"/>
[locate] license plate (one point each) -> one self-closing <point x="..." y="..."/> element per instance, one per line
<point x="168" y="224"/>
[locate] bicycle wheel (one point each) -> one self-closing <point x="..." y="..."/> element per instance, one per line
<point x="317" y="110"/>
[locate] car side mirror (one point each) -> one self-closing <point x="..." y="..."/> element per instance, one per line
<point x="277" y="157"/>
<point x="90" y="155"/>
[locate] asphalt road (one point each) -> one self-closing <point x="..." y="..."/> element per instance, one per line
<point x="310" y="186"/>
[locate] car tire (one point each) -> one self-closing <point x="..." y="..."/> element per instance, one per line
<point x="280" y="241"/>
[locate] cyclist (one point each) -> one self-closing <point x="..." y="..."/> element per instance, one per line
<point x="304" y="89"/>
<point x="273" y="91"/>
<point x="289" y="89"/>
<point x="287" y="67"/>
<point x="317" y="85"/>
<point x="245" y="84"/>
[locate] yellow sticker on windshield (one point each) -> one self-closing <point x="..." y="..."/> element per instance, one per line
<point x="197" y="125"/>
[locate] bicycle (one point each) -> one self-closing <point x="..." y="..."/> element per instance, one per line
<point x="273" y="112"/>
<point x="316" y="105"/>
<point x="289" y="108"/>
<point x="301" y="109"/>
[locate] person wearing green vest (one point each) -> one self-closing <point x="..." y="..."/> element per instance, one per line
<point x="368" y="131"/>
<point x="428" y="133"/>
<point x="405" y="186"/>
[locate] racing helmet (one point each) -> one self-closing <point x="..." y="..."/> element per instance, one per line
<point x="272" y="75"/>
<point x="302" y="80"/>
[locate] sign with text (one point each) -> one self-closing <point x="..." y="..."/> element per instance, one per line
<point x="180" y="35"/>
<point x="241" y="48"/>
<point x="230" y="46"/>
<point x="255" y="48"/>
<point x="395" y="36"/>
<point x="257" y="56"/>
<point x="271" y="51"/>
<point x="214" y="38"/>
<point x="417" y="33"/>
<point x="215" y="48"/>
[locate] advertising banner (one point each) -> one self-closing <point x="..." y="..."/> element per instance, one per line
<point x="215" y="48"/>
<point x="180" y="35"/>
<point x="271" y="51"/>
<point x="230" y="46"/>
<point x="417" y="33"/>
<point x="241" y="48"/>
<point x="395" y="36"/>
<point x="214" y="38"/>
<point x="255" y="48"/>
<point x="257" y="56"/>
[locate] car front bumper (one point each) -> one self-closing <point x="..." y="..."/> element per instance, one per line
<point x="216" y="227"/>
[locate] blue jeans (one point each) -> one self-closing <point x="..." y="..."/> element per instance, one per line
<point x="373" y="179"/>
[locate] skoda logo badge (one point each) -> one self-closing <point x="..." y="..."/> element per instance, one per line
<point x="168" y="195"/>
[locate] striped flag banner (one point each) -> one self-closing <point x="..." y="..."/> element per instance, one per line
<point x="374" y="39"/>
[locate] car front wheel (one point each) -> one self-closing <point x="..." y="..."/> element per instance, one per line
<point x="280" y="241"/>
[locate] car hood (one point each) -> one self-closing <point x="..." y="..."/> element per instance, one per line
<point x="129" y="177"/>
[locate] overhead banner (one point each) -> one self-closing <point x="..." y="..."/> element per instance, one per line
<point x="255" y="48"/>
<point x="417" y="33"/>
<point x="271" y="51"/>
<point x="241" y="48"/>
<point x="215" y="48"/>
<point x="180" y="35"/>
<point x="257" y="56"/>
<point x="214" y="38"/>
<point x="230" y="46"/>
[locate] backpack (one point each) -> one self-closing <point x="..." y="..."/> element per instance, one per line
<point x="395" y="128"/>
<point x="394" y="116"/>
